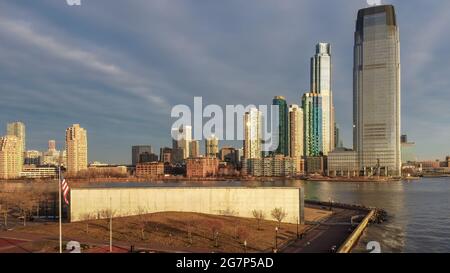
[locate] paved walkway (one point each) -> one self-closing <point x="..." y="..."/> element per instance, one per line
<point x="321" y="238"/>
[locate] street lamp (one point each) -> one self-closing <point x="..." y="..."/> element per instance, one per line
<point x="276" y="239"/>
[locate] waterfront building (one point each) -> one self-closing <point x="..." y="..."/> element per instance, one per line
<point x="376" y="91"/>
<point x="34" y="172"/>
<point x="182" y="137"/>
<point x="321" y="84"/>
<point x="343" y="162"/>
<point x="194" y="148"/>
<point x="17" y="129"/>
<point x="271" y="166"/>
<point x="77" y="149"/>
<point x="312" y="111"/>
<point x="253" y="122"/>
<point x="202" y="167"/>
<point x="136" y="152"/>
<point x="212" y="146"/>
<point x="33" y="157"/>
<point x="150" y="169"/>
<point x="316" y="165"/>
<point x="283" y="126"/>
<point x="11" y="157"/>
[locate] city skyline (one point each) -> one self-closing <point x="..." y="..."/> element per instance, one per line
<point x="39" y="106"/>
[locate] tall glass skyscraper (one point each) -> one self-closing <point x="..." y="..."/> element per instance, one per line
<point x="321" y="84"/>
<point x="312" y="109"/>
<point x="376" y="91"/>
<point x="283" y="126"/>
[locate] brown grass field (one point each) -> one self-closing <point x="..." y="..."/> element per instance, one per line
<point x="169" y="232"/>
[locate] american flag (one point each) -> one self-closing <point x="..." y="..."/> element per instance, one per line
<point x="65" y="189"/>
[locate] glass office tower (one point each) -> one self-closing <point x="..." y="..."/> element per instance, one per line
<point x="283" y="126"/>
<point x="376" y="91"/>
<point x="312" y="113"/>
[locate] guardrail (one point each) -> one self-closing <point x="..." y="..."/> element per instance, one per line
<point x="347" y="246"/>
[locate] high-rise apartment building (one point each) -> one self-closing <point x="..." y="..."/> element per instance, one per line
<point x="283" y="126"/>
<point x="376" y="91"/>
<point x="295" y="131"/>
<point x="312" y="112"/>
<point x="253" y="122"/>
<point x="321" y="84"/>
<point x="11" y="157"/>
<point x="77" y="149"/>
<point x="212" y="146"/>
<point x="17" y="129"/>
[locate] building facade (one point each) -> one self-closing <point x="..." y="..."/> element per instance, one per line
<point x="194" y="148"/>
<point x="77" y="149"/>
<point x="165" y="155"/>
<point x="376" y="91"/>
<point x="33" y="172"/>
<point x="11" y="157"/>
<point x="271" y="166"/>
<point x="136" y="152"/>
<point x="312" y="112"/>
<point x="202" y="167"/>
<point x="150" y="169"/>
<point x="17" y="129"/>
<point x="253" y="122"/>
<point x="321" y="84"/>
<point x="212" y="146"/>
<point x="343" y="162"/>
<point x="33" y="157"/>
<point x="295" y="131"/>
<point x="283" y="126"/>
<point x="182" y="137"/>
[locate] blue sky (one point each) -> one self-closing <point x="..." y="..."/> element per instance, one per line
<point x="118" y="67"/>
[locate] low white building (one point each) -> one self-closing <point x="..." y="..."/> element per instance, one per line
<point x="33" y="172"/>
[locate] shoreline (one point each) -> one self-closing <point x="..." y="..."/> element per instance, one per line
<point x="215" y="179"/>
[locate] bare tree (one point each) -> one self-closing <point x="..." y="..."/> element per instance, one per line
<point x="216" y="227"/>
<point x="25" y="202"/>
<point x="142" y="217"/>
<point x="279" y="214"/>
<point x="190" y="225"/>
<point x="259" y="216"/>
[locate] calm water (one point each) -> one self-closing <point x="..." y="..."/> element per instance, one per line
<point x="418" y="211"/>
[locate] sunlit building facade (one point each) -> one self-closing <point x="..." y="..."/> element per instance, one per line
<point x="376" y="91"/>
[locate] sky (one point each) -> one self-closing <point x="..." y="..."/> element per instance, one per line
<point x="118" y="67"/>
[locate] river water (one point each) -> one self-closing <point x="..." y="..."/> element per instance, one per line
<point x="418" y="211"/>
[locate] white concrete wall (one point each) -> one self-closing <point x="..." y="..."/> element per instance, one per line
<point x="236" y="201"/>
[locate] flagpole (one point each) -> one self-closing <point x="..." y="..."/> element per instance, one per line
<point x="60" y="225"/>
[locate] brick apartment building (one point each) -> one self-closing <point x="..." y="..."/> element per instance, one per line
<point x="150" y="169"/>
<point x="202" y="167"/>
